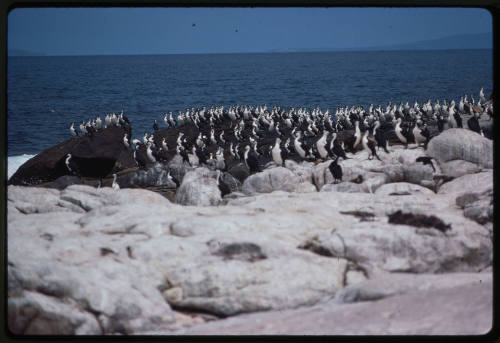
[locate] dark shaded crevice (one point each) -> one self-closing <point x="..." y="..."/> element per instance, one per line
<point x="362" y="215"/>
<point x="193" y="311"/>
<point x="317" y="249"/>
<point x="30" y="321"/>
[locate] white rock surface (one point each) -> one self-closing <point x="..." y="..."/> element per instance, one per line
<point x="457" y="168"/>
<point x="391" y="284"/>
<point x="199" y="188"/>
<point x="377" y="245"/>
<point x="302" y="170"/>
<point x="121" y="258"/>
<point x="402" y="188"/>
<point x="479" y="183"/>
<point x="348" y="187"/>
<point x="461" y="144"/>
<point x="39" y="314"/>
<point x="398" y="166"/>
<point x="417" y="172"/>
<point x="228" y="285"/>
<point x="278" y="179"/>
<point x="461" y="310"/>
<point x="406" y="156"/>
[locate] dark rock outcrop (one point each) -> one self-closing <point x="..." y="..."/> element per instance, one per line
<point x="156" y="175"/>
<point x="240" y="172"/>
<point x="98" y="155"/>
<point x="233" y="183"/>
<point x="64" y="181"/>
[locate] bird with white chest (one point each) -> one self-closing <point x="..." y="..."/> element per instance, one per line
<point x="320" y="146"/>
<point x="251" y="160"/>
<point x="369" y="143"/>
<point x="165" y="120"/>
<point x="164" y="144"/>
<point x="417" y="133"/>
<point x="73" y="131"/>
<point x="98" y="123"/>
<point x="115" y="184"/>
<point x="297" y="144"/>
<point x="220" y="163"/>
<point x="212" y="137"/>
<point x="276" y="153"/>
<point x="481" y="95"/>
<point x="452" y="122"/>
<point x="149" y="153"/>
<point x="398" y="130"/>
<point x="125" y="141"/>
<point x="357" y="134"/>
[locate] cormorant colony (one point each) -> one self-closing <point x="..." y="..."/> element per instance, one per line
<point x="220" y="137"/>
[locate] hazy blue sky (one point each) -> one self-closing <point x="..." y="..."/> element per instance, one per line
<point x="95" y="31"/>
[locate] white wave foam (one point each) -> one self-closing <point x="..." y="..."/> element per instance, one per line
<point x="14" y="162"/>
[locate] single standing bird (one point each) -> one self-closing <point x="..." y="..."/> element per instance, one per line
<point x="297" y="144"/>
<point x="251" y="160"/>
<point x="164" y="145"/>
<point x="68" y="159"/>
<point x="220" y="163"/>
<point x="481" y="95"/>
<point x="173" y="179"/>
<point x="369" y="143"/>
<point x="440" y="123"/>
<point x="125" y="141"/>
<point x="223" y="187"/>
<point x="276" y="153"/>
<point x="165" y="119"/>
<point x="400" y="133"/>
<point x="139" y="160"/>
<point x="149" y="153"/>
<point x="380" y="137"/>
<point x="183" y="153"/>
<point x="72" y="166"/>
<point x="320" y="146"/>
<point x="473" y="124"/>
<point x="115" y="184"/>
<point x="73" y="131"/>
<point x="336" y="170"/>
<point x="419" y="137"/>
<point x="357" y="135"/>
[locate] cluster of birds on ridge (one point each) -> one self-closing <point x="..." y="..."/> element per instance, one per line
<point x="221" y="137"/>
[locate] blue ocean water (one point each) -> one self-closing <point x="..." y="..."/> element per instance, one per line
<point x="46" y="94"/>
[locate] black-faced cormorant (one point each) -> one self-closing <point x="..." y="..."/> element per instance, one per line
<point x="251" y="160"/>
<point x="336" y="170"/>
<point x="223" y="187"/>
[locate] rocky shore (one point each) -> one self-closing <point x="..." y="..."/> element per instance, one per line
<point x="396" y="248"/>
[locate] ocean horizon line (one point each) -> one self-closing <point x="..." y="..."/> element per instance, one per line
<point x="292" y="51"/>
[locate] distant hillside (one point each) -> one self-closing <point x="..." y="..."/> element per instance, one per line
<point x="20" y="52"/>
<point x="465" y="41"/>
